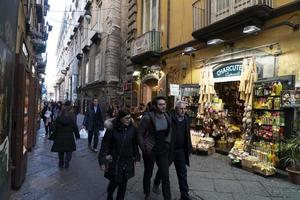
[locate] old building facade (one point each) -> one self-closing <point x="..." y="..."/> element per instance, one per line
<point x="24" y="33"/>
<point x="89" y="62"/>
<point x="176" y="37"/>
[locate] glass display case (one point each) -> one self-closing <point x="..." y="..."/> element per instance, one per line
<point x="190" y="94"/>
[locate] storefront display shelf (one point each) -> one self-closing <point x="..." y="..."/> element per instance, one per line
<point x="266" y="96"/>
<point x="291" y="106"/>
<point x="222" y="151"/>
<point x="265" y="109"/>
<point x="272" y="139"/>
<point x="270" y="125"/>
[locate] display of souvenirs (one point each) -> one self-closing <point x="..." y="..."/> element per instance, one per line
<point x="247" y="121"/>
<point x="291" y="98"/>
<point x="269" y="89"/>
<point x="271" y="103"/>
<point x="190" y="94"/>
<point x="200" y="142"/>
<point x="238" y="152"/>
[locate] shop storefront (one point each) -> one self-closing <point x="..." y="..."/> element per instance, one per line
<point x="241" y="110"/>
<point x="8" y="31"/>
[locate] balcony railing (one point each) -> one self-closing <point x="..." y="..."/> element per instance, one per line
<point x="206" y="12"/>
<point x="148" y="42"/>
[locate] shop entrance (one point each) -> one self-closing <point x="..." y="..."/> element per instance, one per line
<point x="149" y="89"/>
<point x="233" y="109"/>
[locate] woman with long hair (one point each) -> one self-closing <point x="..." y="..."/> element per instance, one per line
<point x="64" y="129"/>
<point x="119" y="152"/>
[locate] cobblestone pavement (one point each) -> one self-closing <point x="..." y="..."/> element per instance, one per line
<point x="210" y="178"/>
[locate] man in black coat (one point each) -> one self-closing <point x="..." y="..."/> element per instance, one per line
<point x="180" y="150"/>
<point x="154" y="137"/>
<point x="93" y="122"/>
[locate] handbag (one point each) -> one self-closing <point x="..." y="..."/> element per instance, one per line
<point x="51" y="136"/>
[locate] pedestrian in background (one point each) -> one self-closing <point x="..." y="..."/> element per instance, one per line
<point x="154" y="137"/>
<point x="63" y="136"/>
<point x="180" y="150"/>
<point x="47" y="118"/>
<point x="93" y="122"/>
<point x="57" y="110"/>
<point x="119" y="152"/>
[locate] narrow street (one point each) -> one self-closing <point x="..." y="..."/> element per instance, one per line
<point x="210" y="178"/>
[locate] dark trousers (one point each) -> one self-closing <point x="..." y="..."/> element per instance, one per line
<point x="47" y="128"/>
<point x="93" y="134"/>
<point x="121" y="189"/>
<point x="162" y="163"/>
<point x="181" y="171"/>
<point x="64" y="157"/>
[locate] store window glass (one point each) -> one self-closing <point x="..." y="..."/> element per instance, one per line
<point x="87" y="73"/>
<point x="222" y="5"/>
<point x="150" y="15"/>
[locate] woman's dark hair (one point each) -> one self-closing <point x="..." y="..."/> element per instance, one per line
<point x="67" y="103"/>
<point x="123" y="112"/>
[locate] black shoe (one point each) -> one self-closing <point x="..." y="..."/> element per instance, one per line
<point x="60" y="165"/>
<point x="147" y="197"/>
<point x="110" y="197"/>
<point x="186" y="197"/>
<point x="67" y="165"/>
<point x="155" y="189"/>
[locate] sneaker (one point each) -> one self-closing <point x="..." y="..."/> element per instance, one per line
<point x="155" y="189"/>
<point x="95" y="150"/>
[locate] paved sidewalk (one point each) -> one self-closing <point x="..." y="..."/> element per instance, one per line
<point x="210" y="178"/>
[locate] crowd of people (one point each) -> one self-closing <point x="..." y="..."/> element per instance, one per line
<point x="162" y="136"/>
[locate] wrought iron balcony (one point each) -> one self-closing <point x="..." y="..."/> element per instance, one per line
<point x="39" y="45"/>
<point x="206" y="12"/>
<point x="214" y="17"/>
<point x="146" y="48"/>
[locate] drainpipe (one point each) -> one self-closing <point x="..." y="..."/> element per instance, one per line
<point x="168" y="24"/>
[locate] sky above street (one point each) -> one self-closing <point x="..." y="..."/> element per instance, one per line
<point x="54" y="18"/>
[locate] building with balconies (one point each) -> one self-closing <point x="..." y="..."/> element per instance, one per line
<point x="96" y="53"/>
<point x="173" y="40"/>
<point x="23" y="39"/>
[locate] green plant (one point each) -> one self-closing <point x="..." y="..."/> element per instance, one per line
<point x="290" y="153"/>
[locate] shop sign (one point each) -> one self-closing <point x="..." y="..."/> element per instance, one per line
<point x="228" y="72"/>
<point x="174" y="89"/>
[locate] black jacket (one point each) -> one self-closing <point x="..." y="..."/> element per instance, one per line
<point x="120" y="143"/>
<point x="91" y="117"/>
<point x="64" y="129"/>
<point x="188" y="142"/>
<point x="146" y="132"/>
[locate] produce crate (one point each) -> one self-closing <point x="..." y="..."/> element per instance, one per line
<point x="263" y="172"/>
<point x="247" y="163"/>
<point x="207" y="152"/>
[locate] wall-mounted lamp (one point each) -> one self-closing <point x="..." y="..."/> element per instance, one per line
<point x="88" y="15"/>
<point x="251" y="29"/>
<point x="215" y="41"/>
<point x="136" y="73"/>
<point x="64" y="72"/>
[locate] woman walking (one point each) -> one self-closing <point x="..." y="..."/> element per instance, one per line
<point x="118" y="154"/>
<point x="64" y="129"/>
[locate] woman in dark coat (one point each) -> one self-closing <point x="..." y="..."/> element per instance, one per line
<point x="119" y="152"/>
<point x="64" y="129"/>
